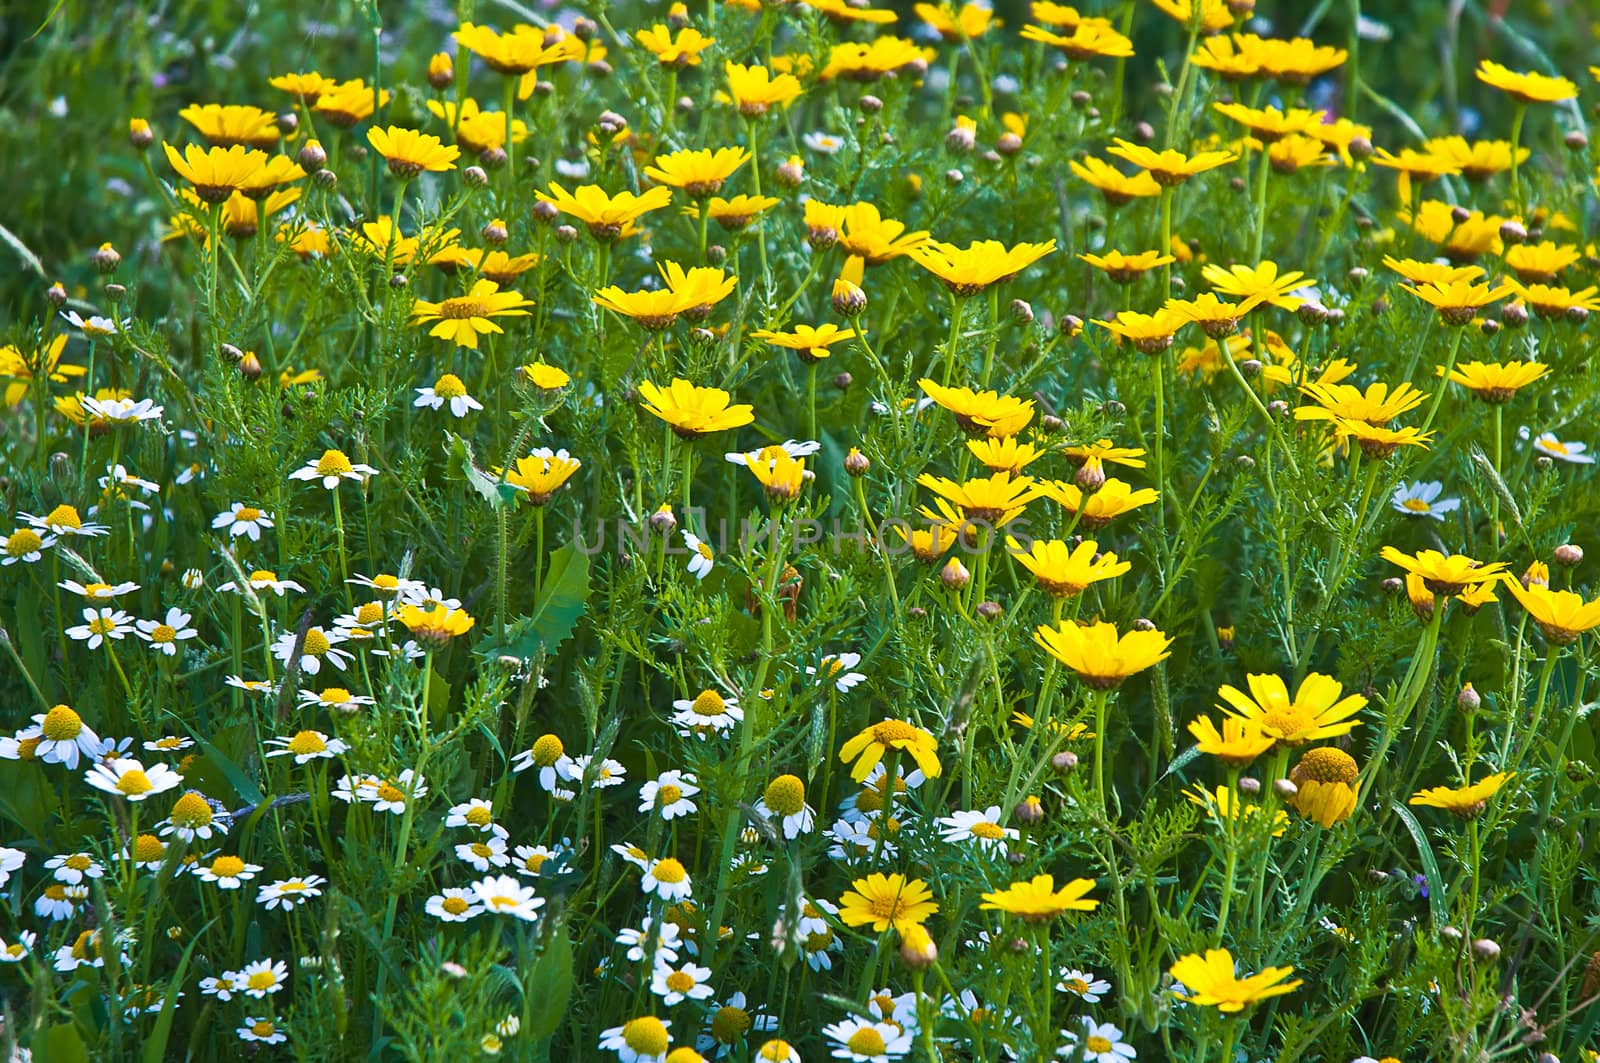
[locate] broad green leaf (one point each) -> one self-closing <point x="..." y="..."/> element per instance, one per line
<point x="548" y="987"/>
<point x="566" y="593"/>
<point x="462" y="467"/>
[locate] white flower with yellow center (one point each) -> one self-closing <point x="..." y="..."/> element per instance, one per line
<point x="674" y="985"/>
<point x="130" y="779"/>
<point x="391" y="795"/>
<point x="331" y="468"/>
<point x="836" y="668"/>
<point x="64" y="521"/>
<point x="100" y="625"/>
<point x="668" y="879"/>
<point x="639" y="942"/>
<point x="530" y="859"/>
<point x="1572" y="453"/>
<point x="453" y="905"/>
<point x="164" y="635"/>
<point x="707" y="713"/>
<point x="335" y="699"/>
<point x="18" y="950"/>
<point x="24" y="546"/>
<point x="668" y="794"/>
<point x="784" y="803"/>
<point x="701" y="557"/>
<point x="60" y="736"/>
<point x="1421" y="499"/>
<point x="1101" y="1043"/>
<point x="505" y="895"/>
<point x="262" y="978"/>
<point x="320" y="645"/>
<point x="228" y="872"/>
<point x="1084" y="985"/>
<point x="306" y="746"/>
<point x="980" y="829"/>
<point x="73" y="868"/>
<point x="123" y="411"/>
<point x="475" y="814"/>
<point x="91" y="326"/>
<point x="484" y="853"/>
<point x="263" y="1030"/>
<point x="607" y="773"/>
<point x="290" y="893"/>
<point x="861" y="1041"/>
<point x="98" y="592"/>
<point x="642" y="1040"/>
<point x="169" y="744"/>
<point x="240" y="519"/>
<point x="447" y="389"/>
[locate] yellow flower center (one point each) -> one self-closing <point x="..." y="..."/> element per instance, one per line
<point x="454" y="905"/>
<point x="709" y="703"/>
<point x="647" y="1036"/>
<point x="386" y="583"/>
<point x="306" y="742"/>
<point x="23" y="541"/>
<point x="134" y="782"/>
<point x="227" y="866"/>
<point x="482" y="851"/>
<point x="316" y="644"/>
<point x="668" y="795"/>
<point x="247" y="513"/>
<point x="334" y="695"/>
<point x="102" y="625"/>
<point x="262" y="980"/>
<point x="547" y="749"/>
<point x="1287" y="720"/>
<point x="1077" y="985"/>
<point x="390" y="792"/>
<point x="891" y="731"/>
<point x="670" y="871"/>
<point x="479" y="816"/>
<point x="449" y="386"/>
<point x="679" y="982"/>
<point x="163" y="633"/>
<point x="730" y="1023"/>
<point x="64" y="517"/>
<point x="61" y="724"/>
<point x="462" y="308"/>
<point x="191" y="811"/>
<point x="78" y="862"/>
<point x="1328" y="764"/>
<point x="886" y="906"/>
<point x="534" y="862"/>
<point x="370" y="613"/>
<point x="262" y="1028"/>
<point x="148" y="848"/>
<point x="984" y="829"/>
<point x="1097" y="1044"/>
<point x="333" y="463"/>
<point x="786" y="795"/>
<point x="56" y="891"/>
<point x="867" y="1041"/>
<point x="1417" y="505"/>
<point x="262" y="575"/>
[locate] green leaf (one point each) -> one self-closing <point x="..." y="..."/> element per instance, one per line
<point x="62" y="1044"/>
<point x="241" y="782"/>
<point x="30" y="637"/>
<point x="1430" y="866"/>
<point x="155" y="1047"/>
<point x="566" y="593"/>
<point x="549" y="987"/>
<point x="462" y="467"/>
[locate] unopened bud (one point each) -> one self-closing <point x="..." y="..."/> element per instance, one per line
<point x="140" y="135"/>
<point x="1486" y="949"/>
<point x="1070" y="325"/>
<point x="1489" y="326"/>
<point x="56" y="294"/>
<point x="1393" y="585"/>
<point x="685" y="104"/>
<point x="1284" y="789"/>
<point x="1468" y="700"/>
<point x="115" y="292"/>
<point x="475" y="177"/>
<point x="1028" y="811"/>
<point x="954" y="575"/>
<point x="1512" y="232"/>
<point x="545" y="212"/>
<point x="953" y="177"/>
<point x="961" y="139"/>
<point x="326" y="180"/>
<point x="611" y="123"/>
<point x="493" y="158"/>
<point x="398" y="282"/>
<point x="990" y="610"/>
<point x="1008" y="144"/>
<point x="870" y="104"/>
<point x="917" y="950"/>
<point x="1144" y="132"/>
<point x="1278" y="408"/>
<point x="1249" y="785"/>
<point x="791" y="172"/>
<point x="1064" y="762"/>
<point x="1569" y="554"/>
<point x="1081" y="98"/>
<point x="250" y="366"/>
<point x="494" y="233"/>
<point x="1236" y="183"/>
<point x="1576" y="140"/>
<point x="1021" y="312"/>
<point x="1356" y="275"/>
<point x="857" y="463"/>
<point x="1091" y="475"/>
<point x="106" y="259"/>
<point x="1051" y="423"/>
<point x="1577" y="314"/>
<point x="1250" y="367"/>
<point x="1450" y="934"/>
<point x="231" y="353"/>
<point x="288" y="122"/>
<point x="1144" y="623"/>
<point x="566" y="234"/>
<point x="441" y="71"/>
<point x="842" y="381"/>
<point x="663" y="522"/>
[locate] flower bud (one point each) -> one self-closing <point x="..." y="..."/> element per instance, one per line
<point x="566" y="234"/>
<point x="1460" y="215"/>
<point x="1008" y="144"/>
<point x="917" y="950"/>
<point x="663" y="521"/>
<point x="1064" y="762"/>
<point x="1489" y="327"/>
<point x="1080" y="98"/>
<point x="1486" y="949"/>
<point x="1569" y="554"/>
<point x="441" y="71"/>
<point x="990" y="610"/>
<point x="857" y="463"/>
<point x="326" y="180"/>
<point x="611" y="123"/>
<point x="791" y="172"/>
<point x="475" y="177"/>
<point x="953" y="177"/>
<point x="288" y="122"/>
<point x="1071" y="325"/>
<point x="1021" y="312"/>
<point x="1249" y="785"/>
<point x="493" y="158"/>
<point x="494" y="233"/>
<point x="1468" y="700"/>
<point x="115" y="292"/>
<point x="1091" y="475"/>
<point x="961" y="139"/>
<point x="1144" y="132"/>
<point x="56" y="294"/>
<point x="870" y="104"/>
<point x="1576" y="140"/>
<point x="545" y="212"/>
<point x="192" y="579"/>
<point x="1250" y="367"/>
<point x="1450" y="934"/>
<point x="1051" y="423"/>
<point x="685" y="104"/>
<point x="1577" y="314"/>
<point x="250" y="366"/>
<point x="1284" y="788"/>
<point x="954" y="575"/>
<point x="1028" y="811"/>
<point x="1512" y="232"/>
<point x="1144" y="623"/>
<point x="140" y="135"/>
<point x="106" y="259"/>
<point x="842" y="381"/>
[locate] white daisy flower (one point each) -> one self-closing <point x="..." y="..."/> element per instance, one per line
<point x="836" y="668"/>
<point x="333" y="467"/>
<point x="387" y="586"/>
<point x="24" y="546"/>
<point x="222" y="986"/>
<point x="708" y="712"/>
<point x="130" y="779"/>
<point x="668" y="794"/>
<point x="1083" y="985"/>
<point x="164" y="635"/>
<point x="981" y="829"/>
<point x="290" y="893"/>
<point x="73" y="868"/>
<point x="485" y="853"/>
<point x="861" y="1041"/>
<point x="784" y="804"/>
<point x="335" y="699"/>
<point x="391" y="795"/>
<point x="265" y="580"/>
<point x="549" y="756"/>
<point x="95" y="325"/>
<point x="118" y="481"/>
<point x="1421" y="499"/>
<point x="319" y="645"/>
<point x="823" y="143"/>
<point x="10" y="860"/>
<point x="64" y="521"/>
<point x="240" y="519"/>
<point x="641" y="1040"/>
<point x="506" y="895"/>
<point x="264" y="1030"/>
<point x="20" y="949"/>
<point x="62" y="736"/>
<point x="169" y="744"/>
<point x="453" y="906"/>
<point x="228" y="872"/>
<point x="674" y="985"/>
<point x="530" y="859"/>
<point x="633" y="855"/>
<point x="123" y="411"/>
<point x="638" y="943"/>
<point x="59" y="901"/>
<point x="477" y="813"/>
<point x="857" y="839"/>
<point x="668" y="879"/>
<point x="447" y="389"/>
<point x="1572" y="453"/>
<point x="100" y="625"/>
<point x="897" y="1010"/>
<point x="83" y="952"/>
<point x="610" y="773"/>
<point x="790" y="447"/>
<point x="262" y="978"/>
<point x="1102" y="1043"/>
<point x="98" y="592"/>
<point x="701" y="557"/>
